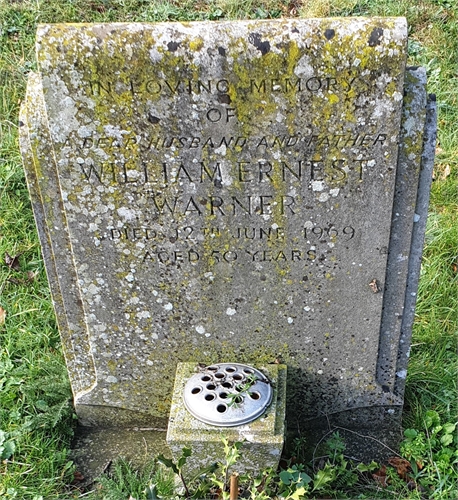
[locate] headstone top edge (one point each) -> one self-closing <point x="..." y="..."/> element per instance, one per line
<point x="398" y="21"/>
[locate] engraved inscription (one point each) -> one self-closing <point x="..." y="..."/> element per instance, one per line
<point x="217" y="191"/>
<point x="169" y="87"/>
<point x="143" y="233"/>
<point x="236" y="143"/>
<point x="334" y="172"/>
<point x="243" y="238"/>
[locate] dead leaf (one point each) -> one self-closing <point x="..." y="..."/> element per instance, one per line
<point x="2" y="315"/>
<point x="412" y="485"/>
<point x="401" y="465"/>
<point x="292" y="8"/>
<point x="12" y="262"/>
<point x="375" y="286"/>
<point x="31" y="275"/>
<point x="77" y="477"/>
<point x="441" y="171"/>
<point x="98" y="8"/>
<point x="445" y="173"/>
<point x="380" y="476"/>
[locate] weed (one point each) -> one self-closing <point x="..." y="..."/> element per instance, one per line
<point x="236" y="398"/>
<point x="177" y="467"/>
<point x="7" y="445"/>
<point x="231" y="455"/>
<point x="125" y="481"/>
<point x="433" y="456"/>
<point x="198" y="485"/>
<point x="293" y="482"/>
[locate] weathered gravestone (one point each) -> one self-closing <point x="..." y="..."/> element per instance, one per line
<point x="232" y="191"/>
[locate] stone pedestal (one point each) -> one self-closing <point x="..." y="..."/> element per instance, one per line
<point x="262" y="439"/>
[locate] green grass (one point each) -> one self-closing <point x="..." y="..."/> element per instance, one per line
<point x="35" y="400"/>
<point x="122" y="481"/>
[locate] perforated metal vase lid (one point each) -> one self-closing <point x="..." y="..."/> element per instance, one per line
<point x="227" y="394"/>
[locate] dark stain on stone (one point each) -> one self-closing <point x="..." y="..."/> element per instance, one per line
<point x="173" y="46"/>
<point x="282" y="45"/>
<point x="224" y="99"/>
<point x="255" y="39"/>
<point x="375" y="37"/>
<point x="329" y="33"/>
<point x="153" y="119"/>
<point x="21" y="124"/>
<point x="222" y="51"/>
<point x="294" y="30"/>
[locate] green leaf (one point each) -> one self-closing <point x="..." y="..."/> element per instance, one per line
<point x="257" y="481"/>
<point x="304" y="478"/>
<point x="286" y="477"/>
<point x="447" y="439"/>
<point x="323" y="477"/>
<point x="206" y="470"/>
<point x="151" y="492"/>
<point x="367" y="467"/>
<point x="431" y="418"/>
<point x="410" y="433"/>
<point x="300" y="492"/>
<point x="449" y="428"/>
<point x="7" y="449"/>
<point x="41" y="405"/>
<point x="168" y="463"/>
<point x="186" y="452"/>
<point x="437" y="429"/>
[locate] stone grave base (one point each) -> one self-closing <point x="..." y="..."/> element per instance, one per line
<point x="95" y="449"/>
<point x="371" y="433"/>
